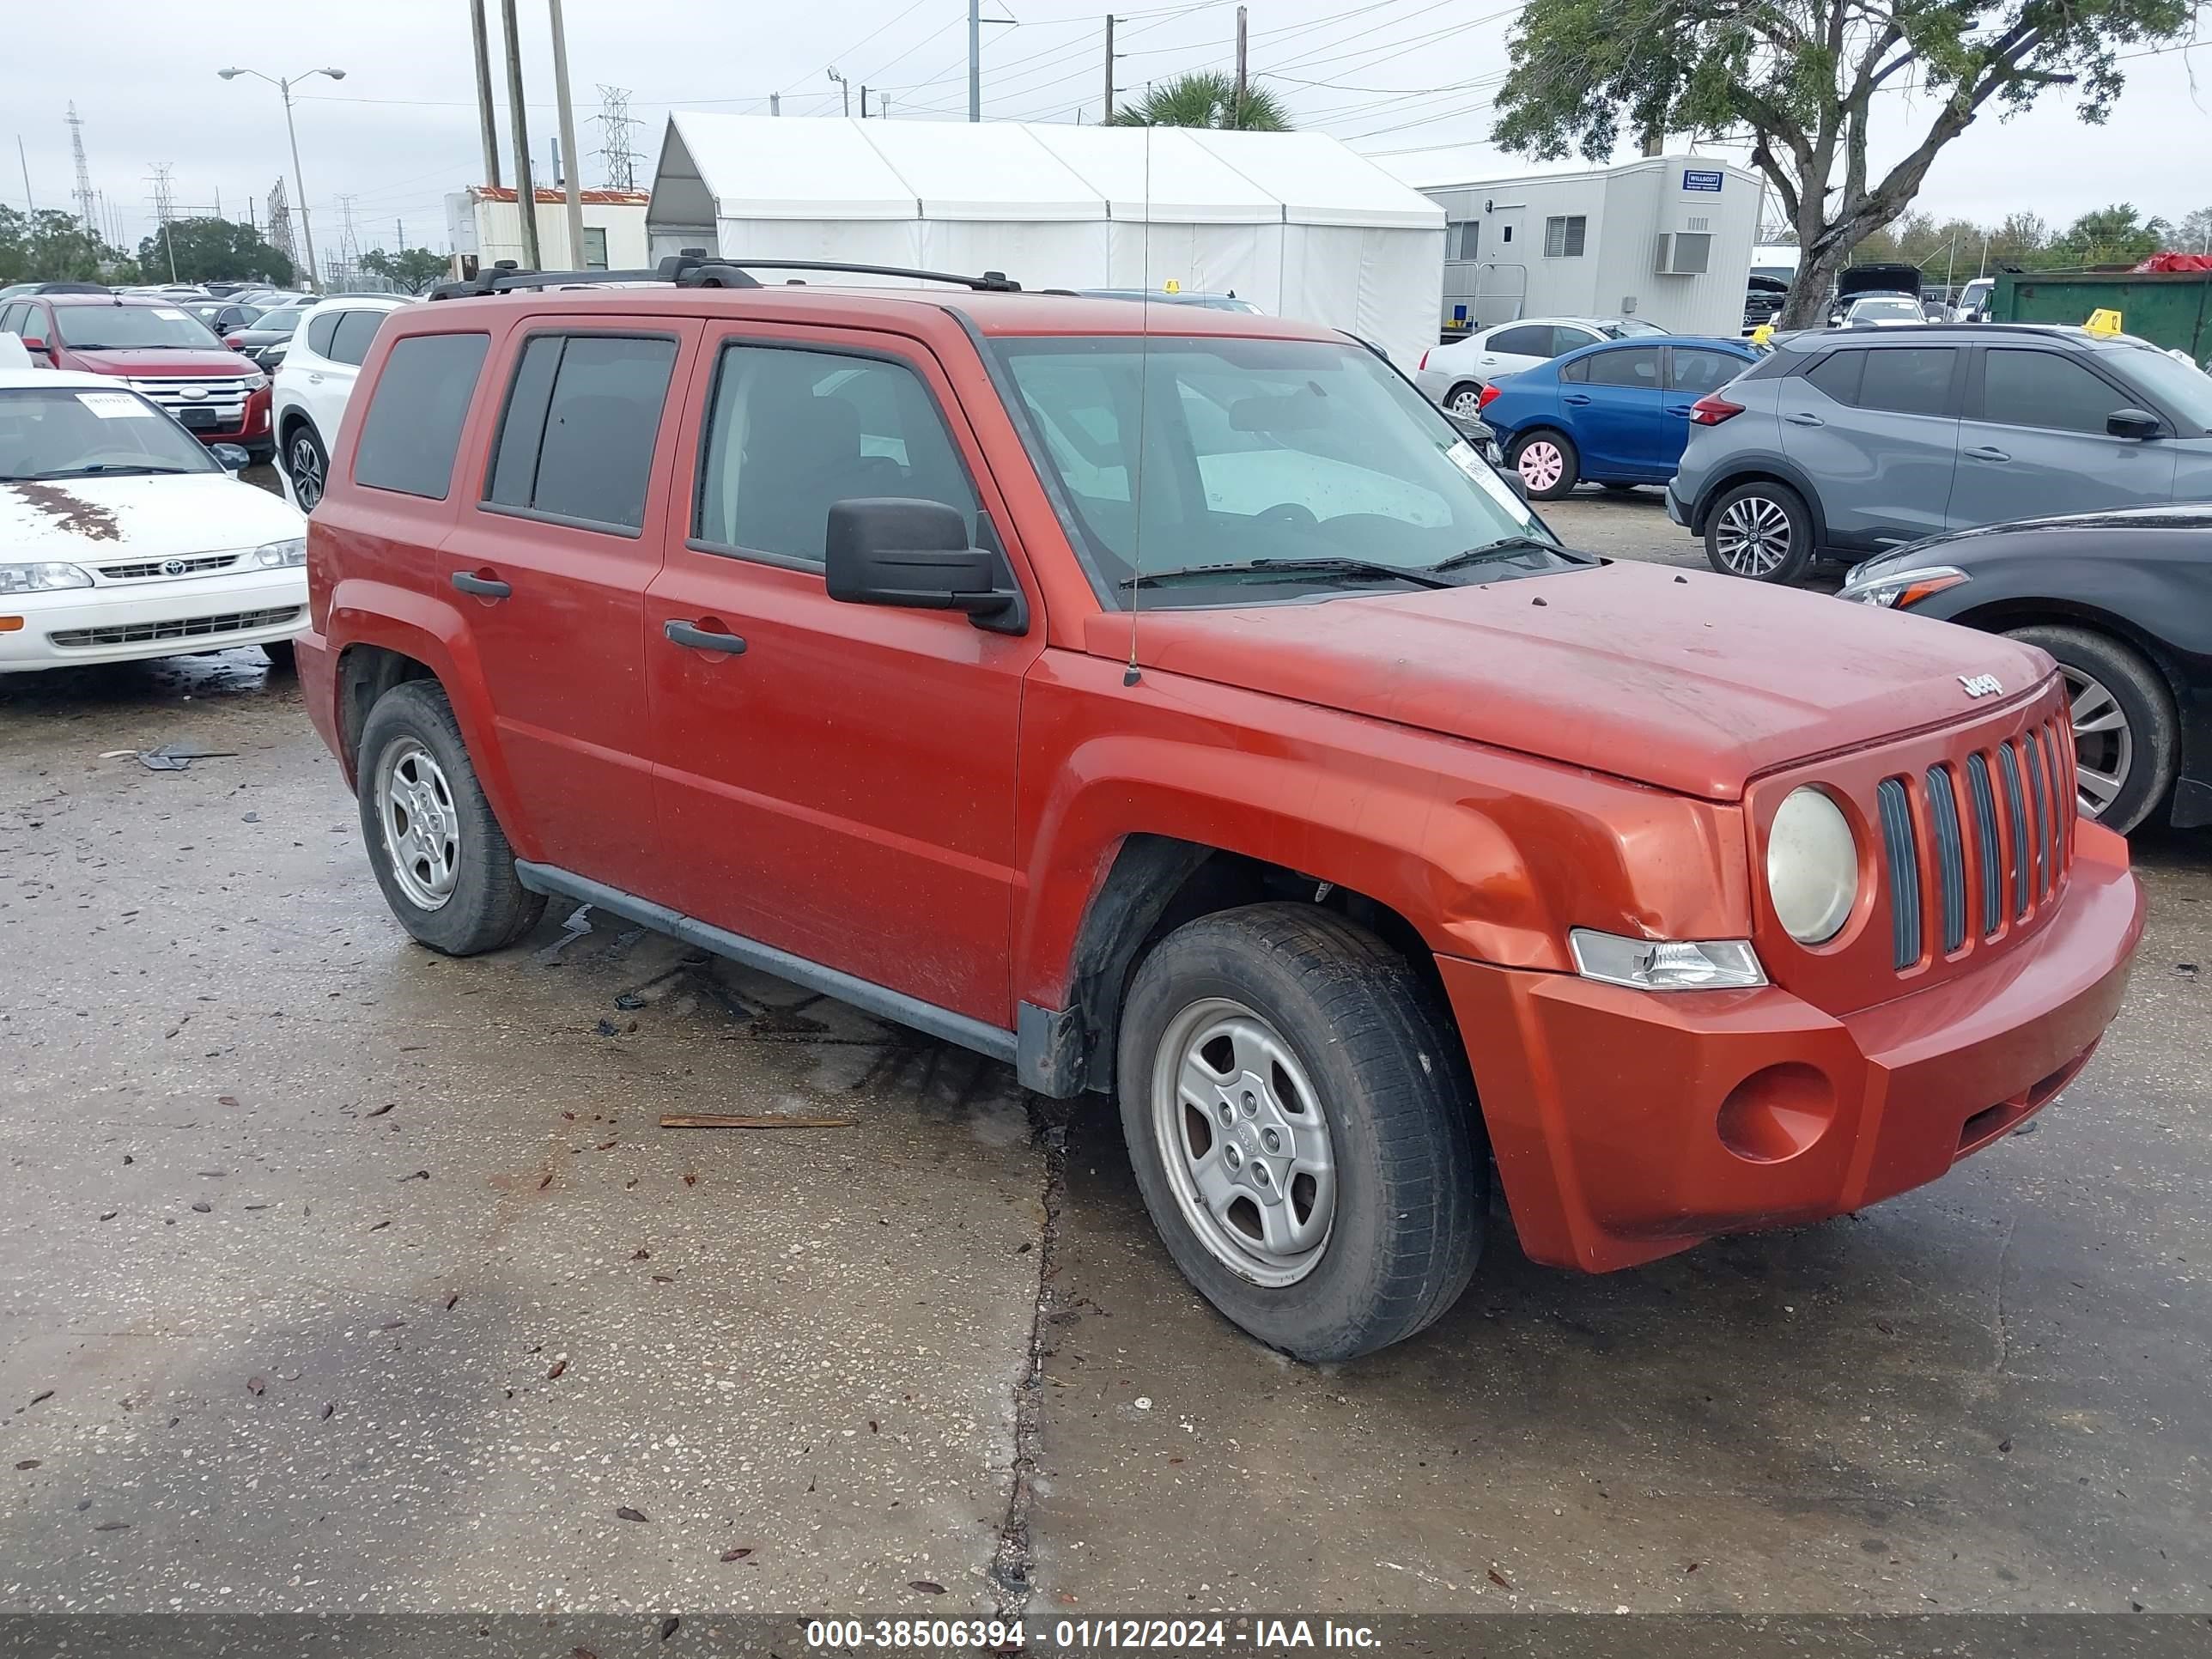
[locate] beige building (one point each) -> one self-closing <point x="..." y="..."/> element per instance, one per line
<point x="486" y="221"/>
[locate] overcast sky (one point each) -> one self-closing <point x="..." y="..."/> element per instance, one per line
<point x="400" y="130"/>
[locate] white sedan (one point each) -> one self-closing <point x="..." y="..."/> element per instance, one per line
<point x="122" y="537"/>
<point x="1453" y="375"/>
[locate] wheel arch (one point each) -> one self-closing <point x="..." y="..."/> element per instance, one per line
<point x="1765" y="469"/>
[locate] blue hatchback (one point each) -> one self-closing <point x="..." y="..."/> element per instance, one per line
<point x="1617" y="413"/>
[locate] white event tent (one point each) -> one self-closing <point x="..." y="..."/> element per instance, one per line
<point x="1292" y="221"/>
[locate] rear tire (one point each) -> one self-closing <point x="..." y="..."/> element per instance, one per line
<point x="1761" y="530"/>
<point x="1465" y="398"/>
<point x="439" y="853"/>
<point x="1547" y="461"/>
<point x="2125" y="769"/>
<point x="1342" y="1073"/>
<point x="307" y="465"/>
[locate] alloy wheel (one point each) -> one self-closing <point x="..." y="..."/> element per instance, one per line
<point x="1245" y="1142"/>
<point x="1467" y="400"/>
<point x="2104" y="746"/>
<point x="306" y="471"/>
<point x="1753" y="536"/>
<point x="422" y="826"/>
<point x="1541" y="464"/>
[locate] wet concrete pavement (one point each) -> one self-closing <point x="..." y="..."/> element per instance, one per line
<point x="340" y="1275"/>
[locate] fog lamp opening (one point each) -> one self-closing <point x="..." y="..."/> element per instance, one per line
<point x="1777" y="1113"/>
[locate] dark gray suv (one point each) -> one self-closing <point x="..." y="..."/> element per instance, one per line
<point x="1845" y="442"/>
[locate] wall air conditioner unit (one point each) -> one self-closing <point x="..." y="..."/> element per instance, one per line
<point x="1682" y="254"/>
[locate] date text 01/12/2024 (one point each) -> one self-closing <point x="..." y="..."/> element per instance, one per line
<point x="1079" y="1636"/>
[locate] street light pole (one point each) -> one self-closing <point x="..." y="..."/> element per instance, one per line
<point x="283" y="85"/>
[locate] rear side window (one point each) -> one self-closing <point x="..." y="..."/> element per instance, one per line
<point x="320" y="330"/>
<point x="1528" y="341"/>
<point x="1908" y="380"/>
<point x="355" y="329"/>
<point x="582" y="417"/>
<point x="1636" y="366"/>
<point x="413" y="426"/>
<point x="2044" y="389"/>
<point x="1837" y="375"/>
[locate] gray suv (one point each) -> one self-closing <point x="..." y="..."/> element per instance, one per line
<point x="1845" y="442"/>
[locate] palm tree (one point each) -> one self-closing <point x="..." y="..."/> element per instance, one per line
<point x="1207" y="100"/>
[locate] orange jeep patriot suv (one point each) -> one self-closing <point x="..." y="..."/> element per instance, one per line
<point x="1170" y="703"/>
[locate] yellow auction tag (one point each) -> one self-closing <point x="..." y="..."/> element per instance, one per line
<point x="2102" y="322"/>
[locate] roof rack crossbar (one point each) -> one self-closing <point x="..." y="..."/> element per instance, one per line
<point x="692" y="269"/>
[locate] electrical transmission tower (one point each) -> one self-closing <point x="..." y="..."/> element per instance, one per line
<point x="280" y="222"/>
<point x="615" y="123"/>
<point x="162" y="200"/>
<point x="88" y="202"/>
<point x="348" y="247"/>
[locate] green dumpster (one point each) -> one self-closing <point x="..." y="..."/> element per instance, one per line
<point x="2168" y="308"/>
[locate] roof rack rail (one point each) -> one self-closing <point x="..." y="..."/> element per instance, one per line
<point x="692" y="269"/>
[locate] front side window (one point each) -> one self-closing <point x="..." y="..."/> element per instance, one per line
<point x="54" y="432"/>
<point x="2044" y="389"/>
<point x="1563" y="235"/>
<point x="1910" y="381"/>
<point x="792" y="433"/>
<point x="1205" y="455"/>
<point x="135" y="328"/>
<point x="1630" y="366"/>
<point x="577" y="439"/>
<point x="412" y="430"/>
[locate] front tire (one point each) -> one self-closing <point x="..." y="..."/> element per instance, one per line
<point x="1761" y="530"/>
<point x="439" y="853"/>
<point x="1300" y="1118"/>
<point x="307" y="465"/>
<point x="1547" y="462"/>
<point x="2127" y="739"/>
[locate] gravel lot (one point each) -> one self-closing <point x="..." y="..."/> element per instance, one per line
<point x="338" y="1275"/>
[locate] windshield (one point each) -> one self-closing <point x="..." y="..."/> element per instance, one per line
<point x="158" y="328"/>
<point x="1624" y="328"/>
<point x="1892" y="306"/>
<point x="62" y="432"/>
<point x="1253" y="450"/>
<point x="2182" y="388"/>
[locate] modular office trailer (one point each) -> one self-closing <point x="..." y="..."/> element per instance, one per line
<point x="1667" y="238"/>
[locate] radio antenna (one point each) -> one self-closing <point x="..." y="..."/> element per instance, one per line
<point x="1131" y="675"/>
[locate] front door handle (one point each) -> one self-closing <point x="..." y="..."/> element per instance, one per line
<point x="1575" y="397"/>
<point x="1804" y="420"/>
<point x="484" y="587"/>
<point x="699" y="639"/>
<point x="1985" y="453"/>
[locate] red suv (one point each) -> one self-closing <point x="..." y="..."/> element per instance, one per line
<point x="1170" y="703"/>
<point x="161" y="350"/>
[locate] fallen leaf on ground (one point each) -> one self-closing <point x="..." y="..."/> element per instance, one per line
<point x="927" y="1587"/>
<point x="559" y="1365"/>
<point x="257" y="1385"/>
<point x="736" y="1554"/>
<point x="626" y="1513"/>
<point x="33" y="1462"/>
<point x="1500" y="1579"/>
<point x="382" y="1109"/>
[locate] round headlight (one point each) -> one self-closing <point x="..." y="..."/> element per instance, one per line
<point x="1812" y="866"/>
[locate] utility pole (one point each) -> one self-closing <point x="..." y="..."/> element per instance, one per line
<point x="846" y="88"/>
<point x="487" y="112"/>
<point x="525" y="192"/>
<point x="575" y="188"/>
<point x="975" y="60"/>
<point x="776" y="103"/>
<point x="29" y="205"/>
<point x="864" y="100"/>
<point x="1236" y="108"/>
<point x="1106" y="119"/>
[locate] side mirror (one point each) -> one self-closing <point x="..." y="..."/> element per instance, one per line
<point x="2134" y="423"/>
<point x="35" y="344"/>
<point x="1514" y="482"/>
<point x="231" y="456"/>
<point x="896" y="550"/>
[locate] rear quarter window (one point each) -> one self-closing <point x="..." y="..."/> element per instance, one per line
<point x="412" y="429"/>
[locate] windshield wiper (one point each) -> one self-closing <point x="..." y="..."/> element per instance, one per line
<point x="1504" y="547"/>
<point x="109" y="469"/>
<point x="1290" y="567"/>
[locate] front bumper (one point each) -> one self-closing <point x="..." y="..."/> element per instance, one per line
<point x="133" y="621"/>
<point x="1628" y="1124"/>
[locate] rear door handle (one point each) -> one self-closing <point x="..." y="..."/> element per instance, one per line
<point x="1575" y="397"/>
<point x="484" y="587"/>
<point x="699" y="639"/>
<point x="1985" y="453"/>
<point x="1804" y="420"/>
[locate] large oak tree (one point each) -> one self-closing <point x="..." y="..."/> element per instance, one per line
<point x="1804" y="81"/>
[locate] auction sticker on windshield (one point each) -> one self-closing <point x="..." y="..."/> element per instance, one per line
<point x="169" y="316"/>
<point x="1462" y="456"/>
<point x="116" y="406"/>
